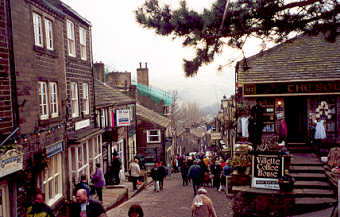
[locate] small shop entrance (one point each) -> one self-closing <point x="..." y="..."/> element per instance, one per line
<point x="296" y="118"/>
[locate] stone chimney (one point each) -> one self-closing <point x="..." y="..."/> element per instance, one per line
<point x="99" y="71"/>
<point x="143" y="75"/>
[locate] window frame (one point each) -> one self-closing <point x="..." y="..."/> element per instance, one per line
<point x="52" y="92"/>
<point x="38" y="29"/>
<point x="82" y="42"/>
<point x="74" y="99"/>
<point x="148" y="136"/>
<point x="71" y="42"/>
<point x="49" y="34"/>
<point x="85" y="99"/>
<point x="43" y="116"/>
<point x="56" y="176"/>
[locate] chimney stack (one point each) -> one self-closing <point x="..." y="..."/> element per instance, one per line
<point x="143" y="75"/>
<point x="99" y="71"/>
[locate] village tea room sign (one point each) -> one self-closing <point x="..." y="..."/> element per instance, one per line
<point x="267" y="169"/>
<point x="10" y="162"/>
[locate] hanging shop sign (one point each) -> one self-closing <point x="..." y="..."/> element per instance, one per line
<point x="123" y="117"/>
<point x="11" y="162"/>
<point x="292" y="88"/>
<point x="82" y="124"/>
<point x="54" y="149"/>
<point x="215" y="136"/>
<point x="267" y="169"/>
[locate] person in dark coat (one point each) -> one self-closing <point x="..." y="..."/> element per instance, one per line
<point x="116" y="167"/>
<point x="216" y="172"/>
<point x="39" y="208"/>
<point x="155" y="176"/>
<point x="162" y="175"/>
<point x="195" y="174"/>
<point x="184" y="172"/>
<point x="86" y="207"/>
<point x="82" y="185"/>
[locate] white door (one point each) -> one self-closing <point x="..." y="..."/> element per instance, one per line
<point x="120" y="151"/>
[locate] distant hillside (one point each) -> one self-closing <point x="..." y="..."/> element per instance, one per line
<point x="211" y="110"/>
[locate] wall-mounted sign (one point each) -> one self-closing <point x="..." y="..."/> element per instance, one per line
<point x="123" y="117"/>
<point x="215" y="136"/>
<point x="267" y="169"/>
<point x="54" y="149"/>
<point x="11" y="162"/>
<point x="82" y="124"/>
<point x="292" y="88"/>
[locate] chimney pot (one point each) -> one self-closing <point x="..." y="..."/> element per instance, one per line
<point x="140" y="65"/>
<point x="146" y="65"/>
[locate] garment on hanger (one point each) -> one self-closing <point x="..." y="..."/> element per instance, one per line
<point x="320" y="132"/>
<point x="244" y="124"/>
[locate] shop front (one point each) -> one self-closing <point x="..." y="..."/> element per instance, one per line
<point x="297" y="107"/>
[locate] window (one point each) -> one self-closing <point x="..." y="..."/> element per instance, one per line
<point x="102" y="123"/>
<point x="54" y="99"/>
<point x="74" y="99"/>
<point x="52" y="180"/>
<point x="86" y="104"/>
<point x="70" y="39"/>
<point x="153" y="136"/>
<point x="82" y="38"/>
<point x="132" y="112"/>
<point x="43" y="100"/>
<point x="49" y="34"/>
<point x="37" y="26"/>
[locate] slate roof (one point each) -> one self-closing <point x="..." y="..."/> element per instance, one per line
<point x="107" y="96"/>
<point x="300" y="59"/>
<point x="152" y="116"/>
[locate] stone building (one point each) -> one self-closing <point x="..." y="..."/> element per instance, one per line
<point x="115" y="114"/>
<point x="297" y="81"/>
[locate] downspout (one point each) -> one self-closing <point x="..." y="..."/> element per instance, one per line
<point x="14" y="96"/>
<point x="93" y="89"/>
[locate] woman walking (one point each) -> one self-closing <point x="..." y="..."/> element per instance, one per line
<point x="202" y="205"/>
<point x="98" y="181"/>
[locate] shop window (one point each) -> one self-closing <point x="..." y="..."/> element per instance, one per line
<point x="52" y="180"/>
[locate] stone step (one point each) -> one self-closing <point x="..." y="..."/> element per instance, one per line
<point x="311" y="204"/>
<point x="307" y="192"/>
<point x="309" y="176"/>
<point x="312" y="184"/>
<point x="306" y="169"/>
<point x="300" y="149"/>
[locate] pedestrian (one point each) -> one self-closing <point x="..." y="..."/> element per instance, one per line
<point x="38" y="207"/>
<point x="195" y="174"/>
<point x="98" y="181"/>
<point x="184" y="172"/>
<point x="85" y="207"/>
<point x="202" y="205"/>
<point x="134" y="172"/>
<point x="116" y="167"/>
<point x="135" y="210"/>
<point x="82" y="185"/>
<point x="162" y="175"/>
<point x="155" y="176"/>
<point x="216" y="172"/>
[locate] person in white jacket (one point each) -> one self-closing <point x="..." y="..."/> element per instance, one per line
<point x="134" y="172"/>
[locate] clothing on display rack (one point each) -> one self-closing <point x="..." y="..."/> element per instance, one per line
<point x="320" y="132"/>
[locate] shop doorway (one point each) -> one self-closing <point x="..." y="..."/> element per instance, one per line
<point x="296" y="118"/>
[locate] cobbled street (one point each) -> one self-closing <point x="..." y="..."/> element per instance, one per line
<point x="174" y="201"/>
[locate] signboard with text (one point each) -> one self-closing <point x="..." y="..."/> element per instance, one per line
<point x="292" y="88"/>
<point x="267" y="169"/>
<point x="215" y="136"/>
<point x="11" y="162"/>
<point x="123" y="117"/>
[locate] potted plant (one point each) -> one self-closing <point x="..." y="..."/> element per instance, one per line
<point x="286" y="183"/>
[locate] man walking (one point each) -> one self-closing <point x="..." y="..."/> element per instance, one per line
<point x="162" y="175"/>
<point x="155" y="176"/>
<point x="85" y="207"/>
<point x="39" y="208"/>
<point x="116" y="167"/>
<point x="195" y="174"/>
<point x="184" y="172"/>
<point x="135" y="172"/>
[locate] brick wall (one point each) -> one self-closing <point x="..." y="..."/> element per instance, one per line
<point x="79" y="71"/>
<point x="5" y="89"/>
<point x="119" y="79"/>
<point x="34" y="64"/>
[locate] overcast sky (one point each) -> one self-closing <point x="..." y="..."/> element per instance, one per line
<point x="121" y="43"/>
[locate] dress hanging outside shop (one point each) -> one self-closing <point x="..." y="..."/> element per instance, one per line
<point x="244" y="124"/>
<point x="320" y="132"/>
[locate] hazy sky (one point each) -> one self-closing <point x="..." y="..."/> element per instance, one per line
<point x="121" y="43"/>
